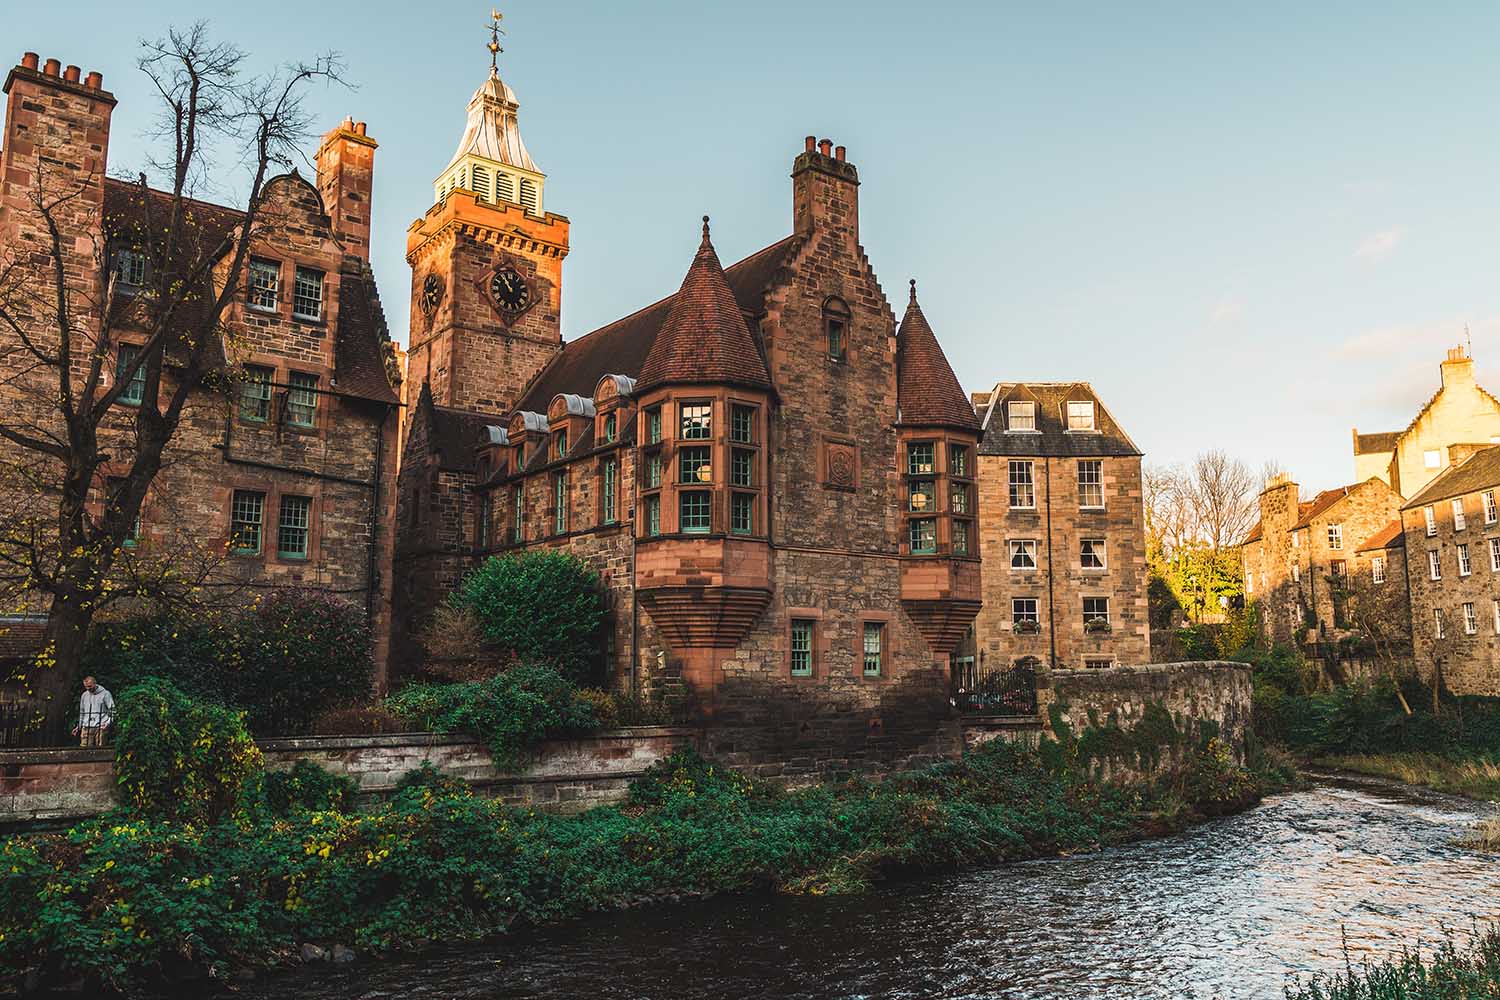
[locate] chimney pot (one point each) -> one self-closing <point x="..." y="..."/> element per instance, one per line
<point x="838" y="153"/>
<point x="359" y="127"/>
<point x="51" y="67"/>
<point x="71" y="74"/>
<point x="95" y="80"/>
<point x="812" y="141"/>
<point x="30" y="60"/>
<point x="825" y="146"/>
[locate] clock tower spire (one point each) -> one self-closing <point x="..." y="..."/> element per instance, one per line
<point x="486" y="261"/>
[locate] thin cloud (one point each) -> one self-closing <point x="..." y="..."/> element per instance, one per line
<point x="1225" y="310"/>
<point x="1380" y="246"/>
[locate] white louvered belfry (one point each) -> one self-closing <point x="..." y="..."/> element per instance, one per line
<point x="491" y="160"/>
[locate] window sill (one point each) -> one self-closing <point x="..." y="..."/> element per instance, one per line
<point x="310" y="320"/>
<point x="288" y="557"/>
<point x="263" y="310"/>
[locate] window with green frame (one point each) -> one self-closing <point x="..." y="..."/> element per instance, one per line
<point x="742" y="468"/>
<point x="920" y="495"/>
<point x="874" y="643"/>
<point x="692" y="463"/>
<point x="653" y="470"/>
<point x="695" y="511"/>
<point x="742" y="424"/>
<point x="653" y="425"/>
<point x="135" y="389"/>
<point x="562" y="443"/>
<point x="802" y="647"/>
<point x="246" y="513"/>
<point x="653" y="515"/>
<point x="742" y="513"/>
<point x="292" y="527"/>
<point x="923" y="535"/>
<point x="518" y="512"/>
<point x="560" y="503"/>
<point x="958" y="460"/>
<point x="302" y="400"/>
<point x="255" y="394"/>
<point x="921" y="458"/>
<point x="697" y="421"/>
<point x="958" y="498"/>
<point x="609" y="428"/>
<point x="607" y="491"/>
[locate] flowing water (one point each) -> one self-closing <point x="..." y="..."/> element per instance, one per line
<point x="1231" y="909"/>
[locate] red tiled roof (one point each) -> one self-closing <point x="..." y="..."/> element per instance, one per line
<point x="927" y="391"/>
<point x="621" y="347"/>
<point x="1388" y="537"/>
<point x="704" y="337"/>
<point x="1256" y="533"/>
<point x="1320" y="504"/>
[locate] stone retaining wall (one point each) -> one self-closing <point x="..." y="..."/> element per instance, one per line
<point x="64" y="785"/>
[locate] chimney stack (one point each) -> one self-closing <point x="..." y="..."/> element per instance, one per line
<point x="1457" y="368"/>
<point x="825" y="190"/>
<point x="346" y="170"/>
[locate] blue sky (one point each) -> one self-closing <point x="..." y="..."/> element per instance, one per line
<point x="1249" y="228"/>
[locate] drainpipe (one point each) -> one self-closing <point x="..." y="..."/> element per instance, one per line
<point x="1051" y="608"/>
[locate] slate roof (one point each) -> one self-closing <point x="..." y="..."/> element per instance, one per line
<point x="359" y="344"/>
<point x="21" y="636"/>
<point x="927" y="391"/>
<point x="1389" y="537"/>
<point x="1480" y="471"/>
<point x="621" y="347"/>
<point x="1052" y="438"/>
<point x="454" y="436"/>
<point x="1368" y="444"/>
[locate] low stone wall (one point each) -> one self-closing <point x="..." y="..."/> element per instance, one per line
<point x="1200" y="696"/>
<point x="65" y="785"/>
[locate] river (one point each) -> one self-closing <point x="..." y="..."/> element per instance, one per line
<point x="1230" y="909"/>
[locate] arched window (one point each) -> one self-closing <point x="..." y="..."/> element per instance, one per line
<point x="528" y="195"/>
<point x="836" y="327"/>
<point x="505" y="189"/>
<point x="481" y="183"/>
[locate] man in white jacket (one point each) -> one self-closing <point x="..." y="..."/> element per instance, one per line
<point x="96" y="712"/>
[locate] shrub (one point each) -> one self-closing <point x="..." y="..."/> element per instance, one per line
<point x="457" y="649"/>
<point x="539" y="607"/>
<point x="178" y="757"/>
<point x="512" y="712"/>
<point x="286" y="660"/>
<point x="306" y="786"/>
<point x="361" y="720"/>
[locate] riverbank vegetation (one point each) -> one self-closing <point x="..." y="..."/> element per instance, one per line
<point x="158" y="891"/>
<point x="1448" y="972"/>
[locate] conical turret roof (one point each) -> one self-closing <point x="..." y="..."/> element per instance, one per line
<point x="493" y="131"/>
<point x="704" y="339"/>
<point x="927" y="391"/>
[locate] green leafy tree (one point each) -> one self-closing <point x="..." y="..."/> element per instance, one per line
<point x="540" y="607"/>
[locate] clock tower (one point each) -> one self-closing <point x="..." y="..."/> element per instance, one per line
<point x="486" y="264"/>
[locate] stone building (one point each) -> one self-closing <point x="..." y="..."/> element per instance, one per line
<point x="1452" y="540"/>
<point x="286" y="469"/>
<point x="775" y="481"/>
<point x="1461" y="412"/>
<point x="1298" y="557"/>
<point x="1062" y="534"/>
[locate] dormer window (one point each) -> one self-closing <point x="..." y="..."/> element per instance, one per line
<point x="1080" y="415"/>
<point x="562" y="444"/>
<point x="1021" y="415"/>
<point x="609" y="428"/>
<point x="836" y="328"/>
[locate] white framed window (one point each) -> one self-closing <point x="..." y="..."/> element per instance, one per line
<point x="255" y="393"/>
<point x="307" y="293"/>
<point x="302" y="400"/>
<point x="246" y="510"/>
<point x="1091" y="553"/>
<point x="1021" y="415"/>
<point x="1097" y="664"/>
<point x="1459" y="521"/>
<point x="1377" y="569"/>
<point x="874" y="643"/>
<point x="1091" y="483"/>
<point x="1335" y="537"/>
<point x="1339" y="568"/>
<point x="1023" y="609"/>
<point x="1495" y="555"/>
<point x="130" y="266"/>
<point x="1296" y="572"/>
<point x="1296" y="539"/>
<point x="1437" y="619"/>
<point x="1023" y="553"/>
<point x="1489" y="507"/>
<point x="1495" y="606"/>
<point x="1095" y="609"/>
<point x="1430" y="517"/>
<point x="1434" y="565"/>
<point x="1080" y="415"/>
<point x="292" y="527"/>
<point x="1471" y="620"/>
<point x="1022" y="485"/>
<point x="1249" y="582"/>
<point x="265" y="283"/>
<point x="1464" y="566"/>
<point x="1432" y="459"/>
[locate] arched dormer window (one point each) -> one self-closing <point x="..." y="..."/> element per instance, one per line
<point x="528" y="195"/>
<point x="836" y="327"/>
<point x="505" y="187"/>
<point x="481" y="183"/>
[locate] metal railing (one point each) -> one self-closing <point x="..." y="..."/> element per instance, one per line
<point x="1008" y="691"/>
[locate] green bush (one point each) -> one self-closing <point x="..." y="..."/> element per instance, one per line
<point x="290" y="658"/>
<point x="177" y="757"/>
<point x="271" y="795"/>
<point x="512" y="712"/>
<point x="540" y="607"/>
<point x="1449" y="972"/>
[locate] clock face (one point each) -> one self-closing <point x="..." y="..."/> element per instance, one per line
<point x="432" y="292"/>
<point x="509" y="290"/>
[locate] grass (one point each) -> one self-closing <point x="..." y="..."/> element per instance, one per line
<point x="1448" y="972"/>
<point x="1474" y="778"/>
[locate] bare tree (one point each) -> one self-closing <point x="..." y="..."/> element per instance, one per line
<point x="1224" y="499"/>
<point x="1381" y="616"/>
<point x="60" y="325"/>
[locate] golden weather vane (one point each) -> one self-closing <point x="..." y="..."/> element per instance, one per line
<point x="494" y="46"/>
